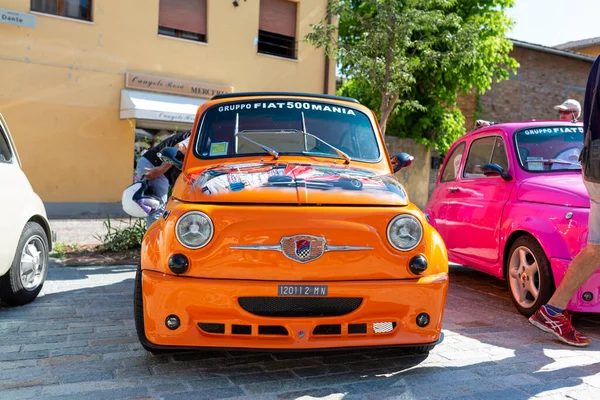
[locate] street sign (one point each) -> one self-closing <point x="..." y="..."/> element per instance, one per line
<point x="17" y="18"/>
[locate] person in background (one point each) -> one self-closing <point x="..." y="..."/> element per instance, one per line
<point x="553" y="316"/>
<point x="570" y="110"/>
<point x="161" y="176"/>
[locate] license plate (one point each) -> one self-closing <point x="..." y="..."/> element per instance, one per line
<point x="302" y="290"/>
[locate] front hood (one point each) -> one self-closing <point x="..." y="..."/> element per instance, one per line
<point x="565" y="190"/>
<point x="289" y="183"/>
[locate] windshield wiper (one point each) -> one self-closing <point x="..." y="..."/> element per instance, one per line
<point x="237" y="134"/>
<point x="554" y="161"/>
<point x="266" y="148"/>
<point x="273" y="152"/>
<point x="338" y="151"/>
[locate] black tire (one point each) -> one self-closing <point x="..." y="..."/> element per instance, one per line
<point x="422" y="349"/>
<point x="138" y="312"/>
<point x="349" y="184"/>
<point x="543" y="279"/>
<point x="12" y="290"/>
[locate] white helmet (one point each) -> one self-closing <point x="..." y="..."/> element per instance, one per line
<point x="138" y="201"/>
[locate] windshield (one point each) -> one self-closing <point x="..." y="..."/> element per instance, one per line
<point x="286" y="127"/>
<point x="550" y="148"/>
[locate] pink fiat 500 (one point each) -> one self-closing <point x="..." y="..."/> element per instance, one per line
<point x="510" y="202"/>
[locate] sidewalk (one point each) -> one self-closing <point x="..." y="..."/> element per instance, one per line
<point x="83" y="231"/>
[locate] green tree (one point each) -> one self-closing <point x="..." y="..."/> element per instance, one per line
<point x="409" y="59"/>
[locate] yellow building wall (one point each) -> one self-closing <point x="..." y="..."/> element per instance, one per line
<point x="66" y="126"/>
<point x="61" y="83"/>
<point x="593" y="51"/>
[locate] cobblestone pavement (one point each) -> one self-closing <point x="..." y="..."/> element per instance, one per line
<point x="78" y="341"/>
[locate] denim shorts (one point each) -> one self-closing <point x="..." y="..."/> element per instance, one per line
<point x="594" y="220"/>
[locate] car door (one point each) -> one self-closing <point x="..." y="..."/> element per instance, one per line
<point x="437" y="206"/>
<point x="476" y="202"/>
<point x="13" y="185"/>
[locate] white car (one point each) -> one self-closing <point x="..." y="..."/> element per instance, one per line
<point x="25" y="235"/>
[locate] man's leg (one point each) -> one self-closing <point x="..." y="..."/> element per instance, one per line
<point x="550" y="317"/>
<point x="581" y="268"/>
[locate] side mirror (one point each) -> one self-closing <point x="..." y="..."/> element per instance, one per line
<point x="171" y="155"/>
<point x="401" y="160"/>
<point x="495" y="170"/>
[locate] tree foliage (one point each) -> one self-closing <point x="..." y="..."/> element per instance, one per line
<point x="409" y="59"/>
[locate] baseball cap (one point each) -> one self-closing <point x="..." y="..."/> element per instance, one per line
<point x="570" y="105"/>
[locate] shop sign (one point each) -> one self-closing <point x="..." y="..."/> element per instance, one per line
<point x="175" y="86"/>
<point x="17" y="18"/>
<point x="175" y="117"/>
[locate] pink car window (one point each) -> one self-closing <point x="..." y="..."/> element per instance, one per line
<point x="485" y="150"/>
<point x="549" y="148"/>
<point x="452" y="166"/>
<point x="499" y="157"/>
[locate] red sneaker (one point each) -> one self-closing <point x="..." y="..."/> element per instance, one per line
<point x="560" y="325"/>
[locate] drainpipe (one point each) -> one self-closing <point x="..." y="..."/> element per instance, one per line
<point x="326" y="80"/>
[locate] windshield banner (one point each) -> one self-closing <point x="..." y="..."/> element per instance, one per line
<point x="553" y="131"/>
<point x="288" y="105"/>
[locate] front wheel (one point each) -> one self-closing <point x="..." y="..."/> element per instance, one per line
<point x="27" y="274"/>
<point x="138" y="314"/>
<point x="529" y="277"/>
<point x="422" y="349"/>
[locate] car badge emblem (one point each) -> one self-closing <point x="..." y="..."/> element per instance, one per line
<point x="303" y="248"/>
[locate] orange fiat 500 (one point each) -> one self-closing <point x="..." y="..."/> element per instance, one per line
<point x="288" y="230"/>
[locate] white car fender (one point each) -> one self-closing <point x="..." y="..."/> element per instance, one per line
<point x="32" y="210"/>
<point x="19" y="204"/>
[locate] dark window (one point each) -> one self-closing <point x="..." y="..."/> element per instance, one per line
<point x="549" y="148"/>
<point x="185" y="19"/>
<point x="486" y="150"/>
<point x="500" y="157"/>
<point x="5" y="154"/>
<point x="452" y="166"/>
<point x="279" y="125"/>
<point x="277" y="28"/>
<point x="78" y="9"/>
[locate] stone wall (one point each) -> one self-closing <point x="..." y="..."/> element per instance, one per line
<point x="415" y="177"/>
<point x="434" y="171"/>
<point x="543" y="80"/>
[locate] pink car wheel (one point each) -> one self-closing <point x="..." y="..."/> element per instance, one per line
<point x="528" y="275"/>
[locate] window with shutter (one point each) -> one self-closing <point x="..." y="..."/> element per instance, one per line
<point x="277" y="28"/>
<point x="185" y="19"/>
<point x="77" y="9"/>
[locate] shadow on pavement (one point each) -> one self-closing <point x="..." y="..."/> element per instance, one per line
<point x="83" y="338"/>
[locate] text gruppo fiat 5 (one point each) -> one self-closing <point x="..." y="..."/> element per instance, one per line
<point x="288" y="230"/>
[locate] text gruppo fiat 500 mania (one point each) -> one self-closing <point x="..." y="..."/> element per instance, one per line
<point x="288" y="230"/>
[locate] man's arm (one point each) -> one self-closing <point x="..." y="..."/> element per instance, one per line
<point x="182" y="146"/>
<point x="153" y="173"/>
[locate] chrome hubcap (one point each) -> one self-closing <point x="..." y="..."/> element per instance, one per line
<point x="33" y="263"/>
<point x="524" y="277"/>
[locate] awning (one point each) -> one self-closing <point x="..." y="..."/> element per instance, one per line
<point x="158" y="107"/>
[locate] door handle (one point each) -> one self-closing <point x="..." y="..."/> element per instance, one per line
<point x="454" y="190"/>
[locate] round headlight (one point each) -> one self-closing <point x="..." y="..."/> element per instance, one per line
<point x="405" y="232"/>
<point x="194" y="230"/>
